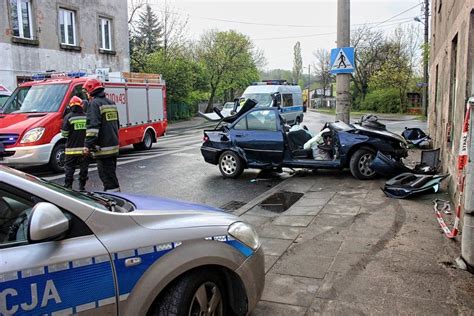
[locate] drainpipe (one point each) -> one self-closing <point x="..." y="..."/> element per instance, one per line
<point x="467" y="242"/>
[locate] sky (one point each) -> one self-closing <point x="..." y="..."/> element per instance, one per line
<point x="275" y="26"/>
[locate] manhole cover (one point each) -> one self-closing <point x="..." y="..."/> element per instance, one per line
<point x="232" y="205"/>
<point x="280" y="201"/>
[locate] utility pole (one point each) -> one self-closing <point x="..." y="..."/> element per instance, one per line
<point x="425" y="60"/>
<point x="308" y="105"/>
<point x="343" y="95"/>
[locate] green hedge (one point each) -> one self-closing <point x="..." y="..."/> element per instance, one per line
<point x="383" y="101"/>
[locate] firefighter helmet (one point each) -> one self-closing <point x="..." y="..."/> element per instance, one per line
<point x="75" y="101"/>
<point x="92" y="85"/>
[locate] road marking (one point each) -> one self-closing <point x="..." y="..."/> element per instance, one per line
<point x="132" y="160"/>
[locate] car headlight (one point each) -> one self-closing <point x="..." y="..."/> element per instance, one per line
<point x="32" y="135"/>
<point x="245" y="233"/>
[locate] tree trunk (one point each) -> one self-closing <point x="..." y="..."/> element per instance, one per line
<point x="210" y="103"/>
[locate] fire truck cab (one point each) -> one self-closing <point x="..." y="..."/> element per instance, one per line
<point x="31" y="118"/>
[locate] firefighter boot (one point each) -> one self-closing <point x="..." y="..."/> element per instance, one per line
<point x="82" y="184"/>
<point x="68" y="185"/>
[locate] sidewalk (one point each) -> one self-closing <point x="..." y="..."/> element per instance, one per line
<point x="344" y="248"/>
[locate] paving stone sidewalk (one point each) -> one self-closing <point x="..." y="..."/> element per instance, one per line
<point x="344" y="248"/>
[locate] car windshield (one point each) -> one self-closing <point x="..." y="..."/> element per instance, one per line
<point x="40" y="98"/>
<point x="263" y="99"/>
<point x="3" y="99"/>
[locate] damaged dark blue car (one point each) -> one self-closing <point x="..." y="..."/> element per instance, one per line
<point x="257" y="137"/>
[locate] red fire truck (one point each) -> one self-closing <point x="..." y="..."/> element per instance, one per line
<point x="31" y="119"/>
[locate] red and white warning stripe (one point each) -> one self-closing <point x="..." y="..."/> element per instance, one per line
<point x="462" y="162"/>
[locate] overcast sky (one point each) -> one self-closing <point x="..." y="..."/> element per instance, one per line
<point x="311" y="22"/>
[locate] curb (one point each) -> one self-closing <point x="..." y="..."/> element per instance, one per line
<point x="170" y="129"/>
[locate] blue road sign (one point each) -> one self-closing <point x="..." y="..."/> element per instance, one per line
<point x="342" y="60"/>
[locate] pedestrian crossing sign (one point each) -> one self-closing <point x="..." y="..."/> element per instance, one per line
<point x="342" y="60"/>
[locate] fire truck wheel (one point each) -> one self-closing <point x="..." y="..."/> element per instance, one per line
<point x="56" y="162"/>
<point x="147" y="142"/>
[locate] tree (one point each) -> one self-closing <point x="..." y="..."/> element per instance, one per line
<point x="321" y="67"/>
<point x="149" y="31"/>
<point x="277" y="74"/>
<point x="369" y="57"/>
<point x="297" y="62"/>
<point x="229" y="59"/>
<point x="174" y="30"/>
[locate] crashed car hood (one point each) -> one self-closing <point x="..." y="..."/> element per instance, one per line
<point x="160" y="213"/>
<point x="381" y="132"/>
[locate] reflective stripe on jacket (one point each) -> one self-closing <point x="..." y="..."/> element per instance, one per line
<point x="74" y="129"/>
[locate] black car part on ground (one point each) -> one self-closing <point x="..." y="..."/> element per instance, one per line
<point x="409" y="184"/>
<point x="417" y="137"/>
<point x="388" y="166"/>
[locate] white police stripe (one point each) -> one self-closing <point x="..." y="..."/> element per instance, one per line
<point x="163" y="247"/>
<point x="123" y="297"/>
<point x="177" y="244"/>
<point x="67" y="311"/>
<point x="107" y="301"/>
<point x="125" y="254"/>
<point x="81" y="262"/>
<point x="145" y="250"/>
<point x="103" y="258"/>
<point x="220" y="238"/>
<point x="8" y="276"/>
<point x="85" y="307"/>
<point x="58" y="267"/>
<point x="32" y="272"/>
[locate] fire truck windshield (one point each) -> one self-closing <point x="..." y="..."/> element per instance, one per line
<point x="33" y="99"/>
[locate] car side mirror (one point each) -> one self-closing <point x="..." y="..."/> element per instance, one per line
<point x="276" y="99"/>
<point x="47" y="222"/>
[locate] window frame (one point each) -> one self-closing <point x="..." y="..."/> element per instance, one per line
<point x="63" y="11"/>
<point x="102" y="36"/>
<point x="285" y="101"/>
<point x="19" y="17"/>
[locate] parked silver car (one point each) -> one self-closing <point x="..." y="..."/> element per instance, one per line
<point x="65" y="252"/>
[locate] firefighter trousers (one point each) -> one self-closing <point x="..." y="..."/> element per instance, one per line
<point x="70" y="163"/>
<point x="107" y="172"/>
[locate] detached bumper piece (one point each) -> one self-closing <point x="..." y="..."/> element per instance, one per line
<point x="409" y="184"/>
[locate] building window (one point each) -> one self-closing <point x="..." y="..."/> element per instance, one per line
<point x="22" y="25"/>
<point x="105" y="32"/>
<point x="67" y="27"/>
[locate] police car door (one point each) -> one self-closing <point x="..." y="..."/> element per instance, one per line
<point x="66" y="276"/>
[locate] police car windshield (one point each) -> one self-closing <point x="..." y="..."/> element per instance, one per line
<point x="40" y="98"/>
<point x="263" y="99"/>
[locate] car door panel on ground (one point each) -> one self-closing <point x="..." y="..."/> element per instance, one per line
<point x="257" y="134"/>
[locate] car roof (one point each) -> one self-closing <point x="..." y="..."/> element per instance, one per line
<point x="272" y="88"/>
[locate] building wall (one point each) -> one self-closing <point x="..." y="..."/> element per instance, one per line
<point x="20" y="59"/>
<point x="450" y="19"/>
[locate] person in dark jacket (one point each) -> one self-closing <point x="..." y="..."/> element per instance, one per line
<point x="74" y="130"/>
<point x="102" y="134"/>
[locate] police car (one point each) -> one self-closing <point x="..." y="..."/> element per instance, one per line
<point x="65" y="252"/>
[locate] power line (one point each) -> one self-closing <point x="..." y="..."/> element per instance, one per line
<point x="417" y="5"/>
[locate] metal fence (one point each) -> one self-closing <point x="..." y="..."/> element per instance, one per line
<point x="180" y="111"/>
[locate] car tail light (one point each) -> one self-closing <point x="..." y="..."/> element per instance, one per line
<point x="205" y="138"/>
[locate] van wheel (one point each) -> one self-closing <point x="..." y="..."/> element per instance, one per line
<point x="56" y="162"/>
<point x="195" y="293"/>
<point x="147" y="142"/>
<point x="230" y="164"/>
<point x="360" y="164"/>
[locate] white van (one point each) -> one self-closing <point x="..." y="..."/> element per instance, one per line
<point x="291" y="103"/>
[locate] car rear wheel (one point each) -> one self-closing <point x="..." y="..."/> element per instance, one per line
<point x="147" y="142"/>
<point x="197" y="293"/>
<point x="56" y="161"/>
<point x="230" y="164"/>
<point x="360" y="164"/>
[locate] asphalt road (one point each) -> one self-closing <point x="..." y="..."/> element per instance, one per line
<point x="174" y="168"/>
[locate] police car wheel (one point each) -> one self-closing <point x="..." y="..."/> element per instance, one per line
<point x="230" y="164"/>
<point x="56" y="161"/>
<point x="197" y="293"/>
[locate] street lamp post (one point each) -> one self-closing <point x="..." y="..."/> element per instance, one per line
<point x="425" y="59"/>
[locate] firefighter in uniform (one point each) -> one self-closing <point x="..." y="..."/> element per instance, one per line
<point x="102" y="134"/>
<point x="74" y="130"/>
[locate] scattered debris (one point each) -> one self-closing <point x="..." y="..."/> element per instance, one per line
<point x="408" y="184"/>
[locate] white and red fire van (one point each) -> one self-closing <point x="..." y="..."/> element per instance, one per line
<point x="31" y="119"/>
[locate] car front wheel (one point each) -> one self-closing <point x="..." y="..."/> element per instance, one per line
<point x="230" y="164"/>
<point x="360" y="164"/>
<point x="197" y="293"/>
